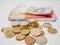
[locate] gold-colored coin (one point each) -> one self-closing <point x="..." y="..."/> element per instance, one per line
<point x="15" y="24"/>
<point x="26" y="26"/>
<point x="8" y="33"/>
<point x="16" y="30"/>
<point x="34" y="24"/>
<point x="26" y="31"/>
<point x="20" y="37"/>
<point x="52" y="30"/>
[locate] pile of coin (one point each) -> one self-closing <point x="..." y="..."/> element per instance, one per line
<point x="23" y="29"/>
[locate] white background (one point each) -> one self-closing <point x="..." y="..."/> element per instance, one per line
<point x="7" y="5"/>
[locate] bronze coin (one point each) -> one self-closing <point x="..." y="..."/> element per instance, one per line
<point x="42" y="33"/>
<point x="29" y="40"/>
<point x="3" y="29"/>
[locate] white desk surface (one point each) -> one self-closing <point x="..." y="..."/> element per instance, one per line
<point x="7" y="5"/>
